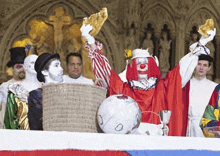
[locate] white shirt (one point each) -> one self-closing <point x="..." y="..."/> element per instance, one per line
<point x="81" y="79"/>
<point x="199" y="96"/>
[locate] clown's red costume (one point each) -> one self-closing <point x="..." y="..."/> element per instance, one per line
<point x="166" y="95"/>
<point x="144" y="83"/>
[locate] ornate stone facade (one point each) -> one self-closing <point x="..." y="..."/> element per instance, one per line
<point x="128" y="21"/>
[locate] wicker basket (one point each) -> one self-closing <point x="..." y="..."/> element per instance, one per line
<point x="71" y="107"/>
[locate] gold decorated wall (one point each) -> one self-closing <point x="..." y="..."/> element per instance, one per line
<point x="172" y="25"/>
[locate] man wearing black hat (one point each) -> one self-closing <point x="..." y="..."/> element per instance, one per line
<point x="18" y="55"/>
<point x="17" y="106"/>
<point x="49" y="70"/>
<point x="200" y="90"/>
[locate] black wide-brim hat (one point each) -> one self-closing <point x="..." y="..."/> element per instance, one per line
<point x="205" y="57"/>
<point x="18" y="55"/>
<point x="41" y="62"/>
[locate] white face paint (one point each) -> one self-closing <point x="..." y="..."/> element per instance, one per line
<point x="142" y="67"/>
<point x="55" y="71"/>
<point x="29" y="64"/>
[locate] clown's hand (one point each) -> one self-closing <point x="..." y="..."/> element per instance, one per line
<point x="196" y="49"/>
<point x="85" y="29"/>
<point x="203" y="40"/>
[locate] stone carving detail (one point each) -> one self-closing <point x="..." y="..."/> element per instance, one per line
<point x="148" y="42"/>
<point x="194" y="36"/>
<point x="198" y="19"/>
<point x="164" y="51"/>
<point x="125" y="18"/>
<point x="58" y="19"/>
<point x="211" y="47"/>
<point x="216" y="4"/>
<point x="181" y="6"/>
<point x="112" y="7"/>
<point x="10" y="6"/>
<point x="159" y="16"/>
<point x="130" y="41"/>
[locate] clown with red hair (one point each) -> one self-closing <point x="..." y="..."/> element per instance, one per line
<point x="144" y="83"/>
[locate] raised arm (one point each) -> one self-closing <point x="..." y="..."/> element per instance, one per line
<point x="100" y="63"/>
<point x="190" y="61"/>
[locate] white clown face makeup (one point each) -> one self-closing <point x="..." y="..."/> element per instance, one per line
<point x="55" y="71"/>
<point x="29" y="64"/>
<point x="142" y="67"/>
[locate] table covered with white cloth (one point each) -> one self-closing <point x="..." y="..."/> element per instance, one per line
<point x="21" y="142"/>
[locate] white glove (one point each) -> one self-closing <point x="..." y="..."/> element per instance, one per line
<point x="203" y="41"/>
<point x="85" y="29"/>
<point x="198" y="50"/>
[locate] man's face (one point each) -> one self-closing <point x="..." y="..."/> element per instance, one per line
<point x="55" y="71"/>
<point x="142" y="67"/>
<point x="202" y="68"/>
<point x="18" y="71"/>
<point x="74" y="67"/>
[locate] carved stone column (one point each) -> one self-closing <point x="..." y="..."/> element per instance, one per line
<point x="180" y="40"/>
<point x="157" y="38"/>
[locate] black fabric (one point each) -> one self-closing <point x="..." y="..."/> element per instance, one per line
<point x="205" y="57"/>
<point x="35" y="109"/>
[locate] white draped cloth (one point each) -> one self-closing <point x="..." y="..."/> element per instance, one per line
<point x="199" y="96"/>
<point x="81" y="79"/>
<point x="3" y="98"/>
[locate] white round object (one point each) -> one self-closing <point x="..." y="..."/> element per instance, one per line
<point x="119" y="114"/>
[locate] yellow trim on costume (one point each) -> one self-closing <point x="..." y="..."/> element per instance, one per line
<point x="208" y="134"/>
<point x="205" y="121"/>
<point x="216" y="113"/>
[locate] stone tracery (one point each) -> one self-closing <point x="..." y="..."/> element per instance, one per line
<point x="157" y="13"/>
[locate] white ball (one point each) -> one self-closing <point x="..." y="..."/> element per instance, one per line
<point x="119" y="114"/>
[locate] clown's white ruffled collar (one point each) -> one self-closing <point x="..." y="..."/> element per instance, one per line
<point x="144" y="84"/>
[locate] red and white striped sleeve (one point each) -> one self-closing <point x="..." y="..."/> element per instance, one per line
<point x="100" y="64"/>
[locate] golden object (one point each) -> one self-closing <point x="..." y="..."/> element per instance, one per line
<point x="20" y="43"/>
<point x="128" y="56"/>
<point x="96" y="21"/>
<point x="128" y="53"/>
<point x="209" y="25"/>
<point x="58" y="19"/>
<point x="22" y="114"/>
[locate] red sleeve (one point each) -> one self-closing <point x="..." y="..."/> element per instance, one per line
<point x="175" y="103"/>
<point x="116" y="84"/>
<point x="213" y="99"/>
